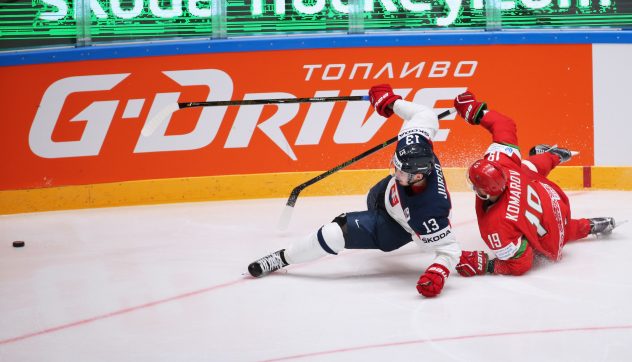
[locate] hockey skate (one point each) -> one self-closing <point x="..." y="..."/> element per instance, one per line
<point x="602" y="225"/>
<point x="267" y="264"/>
<point x="563" y="153"/>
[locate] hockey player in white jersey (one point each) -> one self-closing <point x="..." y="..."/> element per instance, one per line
<point x="411" y="204"/>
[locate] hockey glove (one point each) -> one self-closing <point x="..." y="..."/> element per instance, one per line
<point x="431" y="282"/>
<point x="381" y="96"/>
<point x="472" y="263"/>
<point x="469" y="108"/>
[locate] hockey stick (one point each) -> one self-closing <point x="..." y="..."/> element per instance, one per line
<point x="246" y="102"/>
<point x="291" y="201"/>
<point x="156" y="120"/>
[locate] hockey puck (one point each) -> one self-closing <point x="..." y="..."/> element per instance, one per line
<point x="18" y="244"/>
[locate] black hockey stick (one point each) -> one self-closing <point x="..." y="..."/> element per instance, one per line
<point x="246" y="102"/>
<point x="291" y="201"/>
<point x="158" y="118"/>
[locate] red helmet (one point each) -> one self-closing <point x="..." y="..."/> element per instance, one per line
<point x="486" y="177"/>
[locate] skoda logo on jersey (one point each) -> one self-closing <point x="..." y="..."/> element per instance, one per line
<point x="407" y="214"/>
<point x="434" y="238"/>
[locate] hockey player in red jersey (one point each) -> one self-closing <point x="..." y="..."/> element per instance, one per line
<point x="411" y="204"/>
<point x="520" y="212"/>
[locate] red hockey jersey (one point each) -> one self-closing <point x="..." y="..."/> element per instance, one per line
<point x="532" y="213"/>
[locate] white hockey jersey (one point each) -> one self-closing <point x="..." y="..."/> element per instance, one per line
<point x="425" y="215"/>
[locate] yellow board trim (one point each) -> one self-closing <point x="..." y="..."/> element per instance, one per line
<point x="253" y="186"/>
<point x="568" y="177"/>
<point x="612" y="178"/>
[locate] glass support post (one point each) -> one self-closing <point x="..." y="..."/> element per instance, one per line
<point x="218" y="19"/>
<point x="83" y="23"/>
<point x="493" y="21"/>
<point x="356" y="16"/>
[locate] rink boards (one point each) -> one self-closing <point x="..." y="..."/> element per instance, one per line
<point x="71" y="131"/>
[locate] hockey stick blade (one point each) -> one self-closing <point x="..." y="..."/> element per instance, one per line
<point x="284" y="221"/>
<point x="154" y="121"/>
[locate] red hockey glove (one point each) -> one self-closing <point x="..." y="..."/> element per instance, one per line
<point x="469" y="108"/>
<point x="431" y="282"/>
<point x="472" y="263"/>
<point x="381" y="96"/>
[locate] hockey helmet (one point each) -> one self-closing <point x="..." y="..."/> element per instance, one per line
<point x="486" y="178"/>
<point x="413" y="156"/>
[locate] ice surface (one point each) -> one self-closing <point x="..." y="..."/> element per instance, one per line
<point x="168" y="283"/>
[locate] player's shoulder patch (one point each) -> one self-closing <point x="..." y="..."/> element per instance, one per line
<point x="504" y="149"/>
<point x="393" y="195"/>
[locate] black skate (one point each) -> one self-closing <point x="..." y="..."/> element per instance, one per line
<point x="563" y="153"/>
<point x="539" y="149"/>
<point x="602" y="225"/>
<point x="267" y="264"/>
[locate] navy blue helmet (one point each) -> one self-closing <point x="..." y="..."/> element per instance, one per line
<point x="414" y="155"/>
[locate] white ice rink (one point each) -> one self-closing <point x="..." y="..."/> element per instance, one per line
<point x="168" y="283"/>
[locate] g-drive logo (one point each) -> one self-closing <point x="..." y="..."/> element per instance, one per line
<point x="352" y="127"/>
